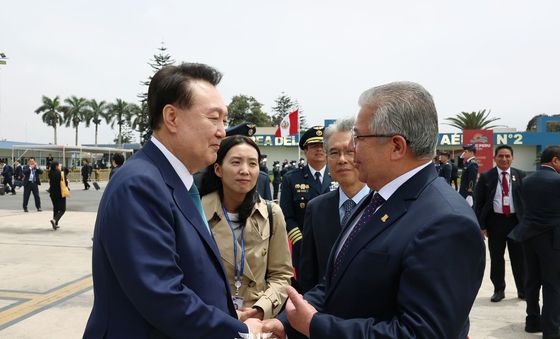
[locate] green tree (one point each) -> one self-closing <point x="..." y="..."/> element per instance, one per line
<point x="124" y="136"/>
<point x="75" y="111"/>
<point x="246" y="108"/>
<point x="140" y="120"/>
<point x="118" y="113"/>
<point x="283" y="105"/>
<point x="96" y="112"/>
<point x="52" y="113"/>
<point x="159" y="60"/>
<point x="472" y="120"/>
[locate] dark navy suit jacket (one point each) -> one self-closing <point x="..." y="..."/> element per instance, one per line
<point x="541" y="197"/>
<point x="157" y="271"/>
<point x="486" y="189"/>
<point x="321" y="229"/>
<point x="414" y="272"/>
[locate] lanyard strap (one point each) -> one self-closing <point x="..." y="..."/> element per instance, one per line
<point x="237" y="273"/>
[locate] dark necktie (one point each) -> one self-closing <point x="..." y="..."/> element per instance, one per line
<point x="505" y="193"/>
<point x="366" y="218"/>
<point x="348" y="206"/>
<point x="318" y="178"/>
<point x="196" y="199"/>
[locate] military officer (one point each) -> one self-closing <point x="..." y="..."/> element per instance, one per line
<point x="303" y="184"/>
<point x="470" y="172"/>
<point x="445" y="167"/>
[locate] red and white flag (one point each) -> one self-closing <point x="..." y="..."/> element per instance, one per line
<point x="288" y="125"/>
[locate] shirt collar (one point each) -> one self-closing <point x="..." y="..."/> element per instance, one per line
<point x="342" y="197"/>
<point x="508" y="171"/>
<point x="177" y="165"/>
<point x="387" y="191"/>
<point x="313" y="171"/>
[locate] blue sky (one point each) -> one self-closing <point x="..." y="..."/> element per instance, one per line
<point x="498" y="55"/>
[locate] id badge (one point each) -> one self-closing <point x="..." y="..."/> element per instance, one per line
<point x="237" y="302"/>
<point x="505" y="202"/>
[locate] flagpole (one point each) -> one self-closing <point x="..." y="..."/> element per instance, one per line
<point x="299" y="136"/>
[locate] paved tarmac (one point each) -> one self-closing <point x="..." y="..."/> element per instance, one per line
<point x="45" y="275"/>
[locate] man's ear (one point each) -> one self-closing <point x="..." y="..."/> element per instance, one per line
<point x="399" y="147"/>
<point x="169" y="118"/>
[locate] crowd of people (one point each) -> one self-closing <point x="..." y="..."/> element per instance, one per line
<point x="365" y="237"/>
<point x="28" y="177"/>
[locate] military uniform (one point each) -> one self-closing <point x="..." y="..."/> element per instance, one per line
<point x="298" y="188"/>
<point x="468" y="178"/>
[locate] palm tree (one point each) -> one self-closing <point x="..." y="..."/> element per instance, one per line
<point x="139" y="119"/>
<point x="97" y="111"/>
<point x="75" y="111"/>
<point x="51" y="110"/>
<point x="472" y="120"/>
<point x="119" y="113"/>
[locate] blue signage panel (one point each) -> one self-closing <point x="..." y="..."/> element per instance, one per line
<point x="506" y="138"/>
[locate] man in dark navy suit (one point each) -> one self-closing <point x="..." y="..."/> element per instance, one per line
<point x="31" y="182"/>
<point x="410" y="260"/>
<point x="157" y="271"/>
<point x="326" y="214"/>
<point x="499" y="209"/>
<point x="540" y="232"/>
<point x="300" y="185"/>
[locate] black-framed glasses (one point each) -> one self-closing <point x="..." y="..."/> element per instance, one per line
<point x="356" y="138"/>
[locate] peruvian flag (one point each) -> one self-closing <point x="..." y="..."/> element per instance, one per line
<point x="288" y="125"/>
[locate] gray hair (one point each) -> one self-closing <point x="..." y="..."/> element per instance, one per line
<point x="341" y="125"/>
<point x="406" y="109"/>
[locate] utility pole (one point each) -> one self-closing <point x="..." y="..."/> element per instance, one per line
<point x="3" y="59"/>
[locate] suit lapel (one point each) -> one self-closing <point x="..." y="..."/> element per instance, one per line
<point x="385" y="217"/>
<point x="493" y="184"/>
<point x="180" y="195"/>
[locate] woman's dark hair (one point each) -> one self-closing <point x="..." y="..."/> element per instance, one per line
<point x="211" y="182"/>
<point x="118" y="159"/>
<point x="54" y="165"/>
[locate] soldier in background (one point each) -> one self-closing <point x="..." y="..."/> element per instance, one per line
<point x="445" y="167"/>
<point x="470" y="172"/>
<point x="300" y="185"/>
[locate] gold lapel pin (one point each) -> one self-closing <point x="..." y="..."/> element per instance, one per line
<point x="384" y="218"/>
<point x="513" y="178"/>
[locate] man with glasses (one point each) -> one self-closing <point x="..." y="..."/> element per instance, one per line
<point x="327" y="214"/>
<point x="410" y="260"/>
<point x="300" y="185"/>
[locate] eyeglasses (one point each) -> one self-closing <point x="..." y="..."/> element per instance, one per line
<point x="336" y="154"/>
<point x="356" y="138"/>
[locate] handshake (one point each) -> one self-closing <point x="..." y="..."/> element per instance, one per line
<point x="298" y="311"/>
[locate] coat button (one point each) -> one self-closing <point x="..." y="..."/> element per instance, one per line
<point x="264" y="252"/>
<point x="251" y="284"/>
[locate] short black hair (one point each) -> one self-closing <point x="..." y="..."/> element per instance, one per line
<point x="171" y="85"/>
<point x="549" y="153"/>
<point x="503" y="147"/>
<point x="118" y="159"/>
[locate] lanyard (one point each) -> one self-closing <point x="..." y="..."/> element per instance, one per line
<point x="237" y="273"/>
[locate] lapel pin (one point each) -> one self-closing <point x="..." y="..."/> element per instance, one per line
<point x="384" y="218"/>
<point x="513" y="178"/>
